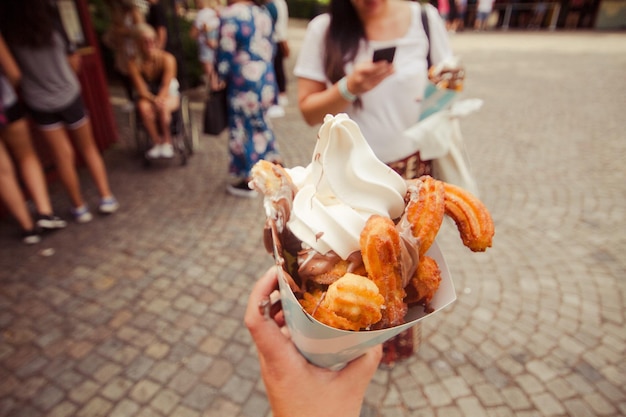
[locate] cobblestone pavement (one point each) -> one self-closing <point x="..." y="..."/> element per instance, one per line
<point x="140" y="314"/>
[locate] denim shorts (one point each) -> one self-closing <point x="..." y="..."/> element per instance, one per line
<point x="206" y="55"/>
<point x="483" y="16"/>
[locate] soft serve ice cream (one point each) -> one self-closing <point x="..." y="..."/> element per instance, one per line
<point x="317" y="213"/>
<point x="341" y="188"/>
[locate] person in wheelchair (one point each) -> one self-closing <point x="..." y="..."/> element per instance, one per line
<point x="153" y="73"/>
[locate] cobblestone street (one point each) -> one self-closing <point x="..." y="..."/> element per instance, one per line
<point x="140" y="314"/>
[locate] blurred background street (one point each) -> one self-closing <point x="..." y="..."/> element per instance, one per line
<point x="140" y="314"/>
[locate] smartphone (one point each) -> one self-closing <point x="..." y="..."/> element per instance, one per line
<point x="385" y="54"/>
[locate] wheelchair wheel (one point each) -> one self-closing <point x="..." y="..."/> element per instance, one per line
<point x="188" y="132"/>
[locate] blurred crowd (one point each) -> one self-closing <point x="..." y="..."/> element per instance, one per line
<point x="42" y="98"/>
<point x="241" y="47"/>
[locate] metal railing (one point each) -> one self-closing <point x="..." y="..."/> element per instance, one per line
<point x="552" y="9"/>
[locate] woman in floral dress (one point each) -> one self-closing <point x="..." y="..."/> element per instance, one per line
<point x="244" y="62"/>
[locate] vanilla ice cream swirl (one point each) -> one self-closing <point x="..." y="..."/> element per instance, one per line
<point x="344" y="185"/>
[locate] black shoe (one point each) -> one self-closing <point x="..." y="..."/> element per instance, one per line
<point x="30" y="237"/>
<point x="50" y="222"/>
<point x="241" y="189"/>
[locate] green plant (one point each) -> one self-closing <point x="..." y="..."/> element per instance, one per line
<point x="100" y="18"/>
<point x="306" y="9"/>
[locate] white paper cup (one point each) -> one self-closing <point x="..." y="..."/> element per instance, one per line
<point x="332" y="348"/>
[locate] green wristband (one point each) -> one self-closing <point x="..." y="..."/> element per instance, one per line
<point x="343" y="90"/>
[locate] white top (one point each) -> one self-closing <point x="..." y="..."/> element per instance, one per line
<point x="485" y="6"/>
<point x="280" y="29"/>
<point x="8" y="96"/>
<point x="394" y="105"/>
<point x="206" y="16"/>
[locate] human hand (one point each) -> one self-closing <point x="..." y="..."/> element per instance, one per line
<point x="294" y="386"/>
<point x="158" y="102"/>
<point x="367" y="75"/>
<point x="285" y="48"/>
<point x="75" y="62"/>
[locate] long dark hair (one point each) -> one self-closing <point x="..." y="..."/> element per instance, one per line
<point x="342" y="39"/>
<point x="27" y="22"/>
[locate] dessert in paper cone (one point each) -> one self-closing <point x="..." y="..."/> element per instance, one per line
<point x="355" y="244"/>
<point x="445" y="82"/>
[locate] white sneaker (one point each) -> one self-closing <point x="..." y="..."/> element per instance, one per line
<point x="275" y="112"/>
<point x="283" y="100"/>
<point x="167" y="150"/>
<point x="81" y="214"/>
<point x="108" y="205"/>
<point x="154" y="152"/>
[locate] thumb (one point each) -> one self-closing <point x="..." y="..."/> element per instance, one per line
<point x="265" y="331"/>
<point x="362" y="369"/>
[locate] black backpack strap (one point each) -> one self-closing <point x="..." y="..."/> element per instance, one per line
<point x="427" y="31"/>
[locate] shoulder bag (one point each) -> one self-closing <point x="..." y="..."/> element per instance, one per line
<point x="216" y="113"/>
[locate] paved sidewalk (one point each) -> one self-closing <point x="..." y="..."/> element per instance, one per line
<point x="140" y="314"/>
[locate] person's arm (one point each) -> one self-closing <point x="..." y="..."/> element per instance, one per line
<point x="8" y="65"/>
<point x="160" y="26"/>
<point x="213" y="32"/>
<point x="315" y="98"/>
<point x="282" y="19"/>
<point x="284" y="46"/>
<point x="194" y="32"/>
<point x="140" y="86"/>
<point x="137" y="15"/>
<point x="294" y="386"/>
<point x="316" y="101"/>
<point x="169" y="73"/>
<point x="71" y="48"/>
<point x="161" y="39"/>
<point x="75" y="61"/>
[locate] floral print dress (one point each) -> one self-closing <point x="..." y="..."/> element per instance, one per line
<point x="244" y="61"/>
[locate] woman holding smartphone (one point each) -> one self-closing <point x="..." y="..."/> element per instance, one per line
<point x="338" y="74"/>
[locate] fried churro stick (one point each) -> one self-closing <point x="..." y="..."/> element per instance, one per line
<point x="471" y="217"/>
<point x="424" y="283"/>
<point x="276" y="184"/>
<point x="380" y="248"/>
<point x="425" y="210"/>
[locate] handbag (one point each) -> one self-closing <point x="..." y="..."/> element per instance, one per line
<point x="216" y="113"/>
<point x="454" y="166"/>
<point x="438" y="138"/>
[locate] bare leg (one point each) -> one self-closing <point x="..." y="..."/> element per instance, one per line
<point x="212" y="79"/>
<point x="165" y="117"/>
<point x="148" y="116"/>
<point x="10" y="191"/>
<point x="18" y="140"/>
<point x="86" y="145"/>
<point x="65" y="160"/>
